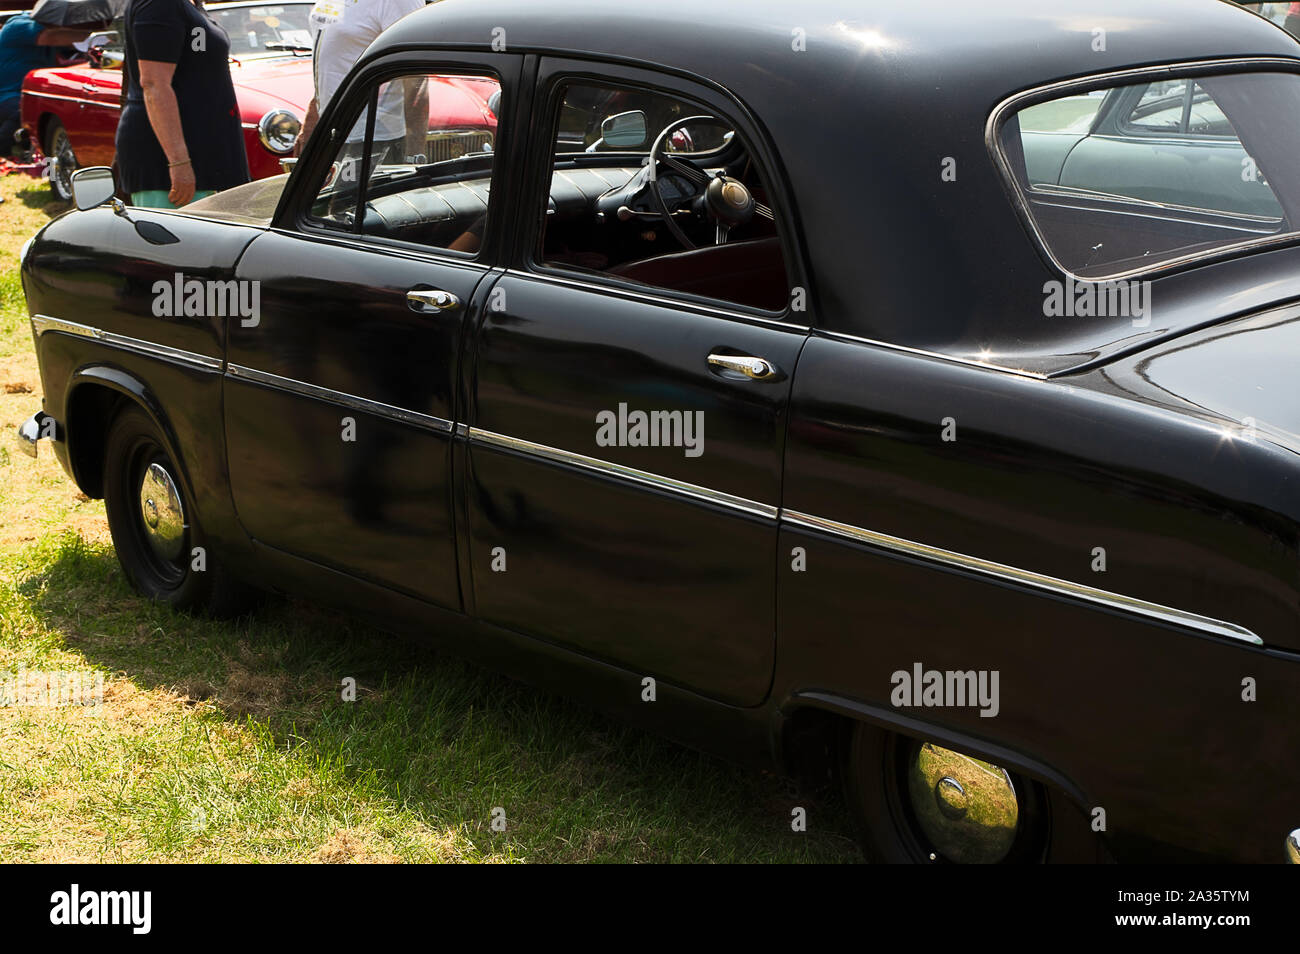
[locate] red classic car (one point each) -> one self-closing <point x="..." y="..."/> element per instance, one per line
<point x="71" y="111"/>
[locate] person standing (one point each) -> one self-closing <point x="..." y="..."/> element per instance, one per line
<point x="26" y="45"/>
<point x="1292" y="22"/>
<point x="179" y="137"/>
<point x="341" y="31"/>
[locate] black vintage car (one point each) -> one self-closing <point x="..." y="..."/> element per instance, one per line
<point x="749" y="386"/>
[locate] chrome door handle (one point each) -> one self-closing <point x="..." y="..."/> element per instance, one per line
<point x="760" y="369"/>
<point x="431" y="299"/>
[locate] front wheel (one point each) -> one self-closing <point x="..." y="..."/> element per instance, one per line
<point x="917" y="802"/>
<point x="155" y="530"/>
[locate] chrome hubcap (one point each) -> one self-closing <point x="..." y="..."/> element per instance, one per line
<point x="62" y="162"/>
<point x="162" y="513"/>
<point x="967" y="809"/>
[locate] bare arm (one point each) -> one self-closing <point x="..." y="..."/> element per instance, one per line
<point x="308" y="124"/>
<point x="165" y="118"/>
<point x="61" y="36"/>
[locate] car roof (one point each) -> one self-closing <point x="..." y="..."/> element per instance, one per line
<point x="863" y="102"/>
<point x="1000" y="45"/>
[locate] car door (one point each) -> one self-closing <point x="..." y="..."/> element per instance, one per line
<point x="340" y="398"/>
<point x="99" y="109"/>
<point x="624" y="476"/>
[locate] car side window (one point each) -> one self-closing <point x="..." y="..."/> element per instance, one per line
<point x="416" y="164"/>
<point x="1175" y="107"/>
<point x="657" y="190"/>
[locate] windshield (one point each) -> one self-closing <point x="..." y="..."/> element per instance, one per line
<point x="270" y="30"/>
<point x="599" y="119"/>
<point x="273" y="29"/>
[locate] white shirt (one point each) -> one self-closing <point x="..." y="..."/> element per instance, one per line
<point x="345" y="28"/>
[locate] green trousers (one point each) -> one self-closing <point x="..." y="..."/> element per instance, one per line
<point x="157" y="198"/>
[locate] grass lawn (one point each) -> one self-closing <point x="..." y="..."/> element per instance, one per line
<point x="1058" y="114"/>
<point x="230" y="742"/>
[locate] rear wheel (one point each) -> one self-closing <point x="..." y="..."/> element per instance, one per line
<point x="917" y="802"/>
<point x="58" y="150"/>
<point x="159" y="542"/>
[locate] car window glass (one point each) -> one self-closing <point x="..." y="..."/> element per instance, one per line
<point x="1178" y="167"/>
<point x="1065" y="115"/>
<point x="336" y="199"/>
<point x="424" y="144"/>
<point x="603" y="215"/>
<point x="115" y="41"/>
<point x="1160" y="107"/>
<point x="279" y="29"/>
<point x="1206" y="117"/>
<point x="1164" y="108"/>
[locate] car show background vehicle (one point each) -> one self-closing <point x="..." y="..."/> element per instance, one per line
<point x="72" y="111"/>
<point x="911" y="466"/>
<point x="1149" y="136"/>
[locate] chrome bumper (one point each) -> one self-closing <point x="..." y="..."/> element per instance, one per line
<point x="33" y="429"/>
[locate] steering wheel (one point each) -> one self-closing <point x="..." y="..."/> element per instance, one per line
<point x="725" y="200"/>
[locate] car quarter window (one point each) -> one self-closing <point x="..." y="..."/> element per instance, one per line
<point x="1122" y="179"/>
<point x="659" y="191"/>
<point x="416" y="163"/>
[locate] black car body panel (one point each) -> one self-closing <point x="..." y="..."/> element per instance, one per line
<point x="926" y="476"/>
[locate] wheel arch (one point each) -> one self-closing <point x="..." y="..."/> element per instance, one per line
<point x="42" y="124"/>
<point x="43" y="127"/>
<point x="96" y="394"/>
<point x="808" y="719"/>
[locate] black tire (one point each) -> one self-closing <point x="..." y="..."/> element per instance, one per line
<point x="63" y="162"/>
<point x="135" y="451"/>
<point x="876" y="786"/>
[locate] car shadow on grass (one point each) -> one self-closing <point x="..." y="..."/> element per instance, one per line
<point x="442" y="738"/>
<point x="38" y="195"/>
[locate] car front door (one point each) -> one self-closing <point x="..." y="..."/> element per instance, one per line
<point x="625" y="467"/>
<point x="340" y="396"/>
<point x="100" y="107"/>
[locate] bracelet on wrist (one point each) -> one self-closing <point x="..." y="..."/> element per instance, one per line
<point x="173" y="165"/>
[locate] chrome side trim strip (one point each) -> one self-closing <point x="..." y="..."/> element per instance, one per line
<point x="1011" y="574"/>
<point x="632" y="474"/>
<point x="43" y="323"/>
<point x="987" y="568"/>
<point x="1065" y="194"/>
<point x="84" y="100"/>
<point x="365" y="405"/>
<point x="922" y="353"/>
